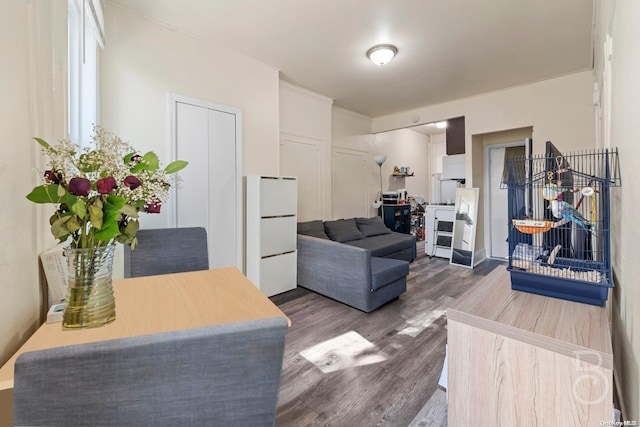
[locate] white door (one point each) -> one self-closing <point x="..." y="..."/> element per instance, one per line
<point x="349" y="184"/>
<point x="301" y="157"/>
<point x="498" y="205"/>
<point x="210" y="192"/>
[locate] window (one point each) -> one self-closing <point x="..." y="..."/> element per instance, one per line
<point x="85" y="34"/>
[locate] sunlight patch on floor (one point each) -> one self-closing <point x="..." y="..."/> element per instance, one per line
<point x="344" y="351"/>
<point x="420" y="322"/>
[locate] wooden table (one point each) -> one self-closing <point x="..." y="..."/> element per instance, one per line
<point x="154" y="304"/>
<point x="521" y="359"/>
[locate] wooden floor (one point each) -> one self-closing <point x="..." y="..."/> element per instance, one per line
<point x="376" y="369"/>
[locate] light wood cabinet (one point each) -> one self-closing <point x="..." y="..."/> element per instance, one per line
<point x="271" y="220"/>
<point x="519" y="359"/>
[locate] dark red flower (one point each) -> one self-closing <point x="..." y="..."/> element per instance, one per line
<point x="153" y="207"/>
<point x="132" y="182"/>
<point x="79" y="186"/>
<point x="106" y="185"/>
<point x="52" y="177"/>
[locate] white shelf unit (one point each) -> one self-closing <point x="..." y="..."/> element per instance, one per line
<point x="271" y="218"/>
<point x="438" y="230"/>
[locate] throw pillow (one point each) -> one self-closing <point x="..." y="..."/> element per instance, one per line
<point x="313" y="229"/>
<point x="372" y="226"/>
<point x="342" y="230"/>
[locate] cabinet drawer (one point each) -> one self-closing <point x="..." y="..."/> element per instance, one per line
<point x="278" y="273"/>
<point x="277" y="235"/>
<point x="278" y="197"/>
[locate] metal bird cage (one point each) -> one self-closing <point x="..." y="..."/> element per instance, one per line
<point x="559" y="223"/>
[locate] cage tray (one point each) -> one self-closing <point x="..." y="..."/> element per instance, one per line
<point x="560" y="287"/>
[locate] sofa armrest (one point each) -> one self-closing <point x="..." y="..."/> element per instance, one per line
<point x="323" y="264"/>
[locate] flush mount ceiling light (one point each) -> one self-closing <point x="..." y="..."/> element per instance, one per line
<point x="382" y="54"/>
<point x="441" y="125"/>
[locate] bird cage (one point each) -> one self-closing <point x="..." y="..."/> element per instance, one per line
<point x="559" y="217"/>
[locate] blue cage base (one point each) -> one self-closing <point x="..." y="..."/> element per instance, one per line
<point x="557" y="287"/>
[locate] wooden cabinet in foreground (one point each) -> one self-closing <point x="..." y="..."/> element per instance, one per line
<point x="519" y="359"/>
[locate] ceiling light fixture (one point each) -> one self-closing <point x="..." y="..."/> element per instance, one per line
<point x="382" y="54"/>
<point x="441" y="125"/>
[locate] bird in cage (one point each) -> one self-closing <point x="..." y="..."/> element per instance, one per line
<point x="562" y="209"/>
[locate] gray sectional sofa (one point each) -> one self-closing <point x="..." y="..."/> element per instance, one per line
<point x="356" y="261"/>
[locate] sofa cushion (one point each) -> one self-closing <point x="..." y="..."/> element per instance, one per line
<point x="342" y="230"/>
<point x="384" y="244"/>
<point x="372" y="226"/>
<point x="313" y="229"/>
<point x="385" y="271"/>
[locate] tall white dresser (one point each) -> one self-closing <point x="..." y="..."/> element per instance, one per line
<point x="271" y="217"/>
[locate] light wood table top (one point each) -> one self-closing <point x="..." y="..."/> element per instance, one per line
<point x="564" y="327"/>
<point x="154" y="304"/>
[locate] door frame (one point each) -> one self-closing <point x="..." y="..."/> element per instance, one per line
<point x="174" y="99"/>
<point x="528" y="145"/>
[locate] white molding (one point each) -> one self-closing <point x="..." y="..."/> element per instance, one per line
<point x="339" y="109"/>
<point x="303" y="91"/>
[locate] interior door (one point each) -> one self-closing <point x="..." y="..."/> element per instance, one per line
<point x="210" y="192"/>
<point x="498" y="209"/>
<point x="301" y="157"/>
<point x="349" y="184"/>
<point x="496" y="196"/>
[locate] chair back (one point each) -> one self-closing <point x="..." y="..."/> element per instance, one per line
<point x="167" y="250"/>
<point x="224" y="375"/>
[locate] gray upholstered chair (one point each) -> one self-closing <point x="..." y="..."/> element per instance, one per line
<point x="167" y="250"/>
<point x="226" y="375"/>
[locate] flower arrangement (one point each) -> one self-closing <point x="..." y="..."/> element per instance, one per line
<point x="100" y="190"/>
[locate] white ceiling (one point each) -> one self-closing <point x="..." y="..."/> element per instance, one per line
<point x="448" y="49"/>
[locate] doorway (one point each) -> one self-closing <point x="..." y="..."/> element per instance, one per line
<point x="497" y="221"/>
<point x="210" y="194"/>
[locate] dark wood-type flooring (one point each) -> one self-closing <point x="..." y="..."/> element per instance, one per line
<point x="409" y="332"/>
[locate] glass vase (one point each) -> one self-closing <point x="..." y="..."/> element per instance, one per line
<point x="90" y="301"/>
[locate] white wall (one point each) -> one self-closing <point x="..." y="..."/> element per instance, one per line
<point x="19" y="291"/>
<point x="405" y="147"/>
<point x="560" y="110"/>
<point x="352" y="131"/>
<point x="307" y="115"/>
<point x="143" y="62"/>
<point x="625" y="233"/>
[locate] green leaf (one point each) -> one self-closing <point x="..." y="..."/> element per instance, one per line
<point x="128" y="157"/>
<point x="142" y="166"/>
<point x="47" y="193"/>
<point x="129" y="211"/>
<point x="114" y="203"/>
<point x="79" y="208"/>
<point x="73" y="224"/>
<point x="131" y="229"/>
<point x="152" y="160"/>
<point x="59" y="227"/>
<point x="95" y="215"/>
<point x="109" y="231"/>
<point x="44" y="144"/>
<point x="176" y="166"/>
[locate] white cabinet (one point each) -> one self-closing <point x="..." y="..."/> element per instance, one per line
<point x="271" y="208"/>
<point x="438" y="230"/>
